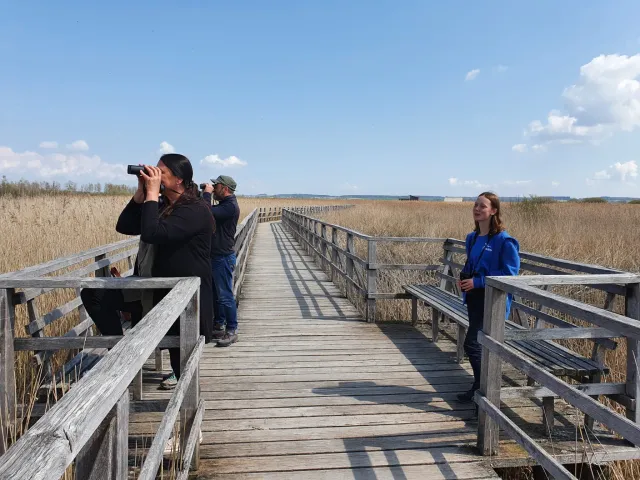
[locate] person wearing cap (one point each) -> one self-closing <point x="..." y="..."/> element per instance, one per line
<point x="223" y="257"/>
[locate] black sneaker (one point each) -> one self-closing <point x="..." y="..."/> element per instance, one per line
<point x="231" y="336"/>
<point x="218" y="333"/>
<point x="467" y="397"/>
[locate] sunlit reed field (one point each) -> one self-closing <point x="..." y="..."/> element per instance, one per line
<point x="35" y="230"/>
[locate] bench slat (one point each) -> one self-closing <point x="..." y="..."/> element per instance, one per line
<point x="547" y="354"/>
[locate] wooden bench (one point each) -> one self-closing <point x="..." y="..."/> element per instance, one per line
<point x="546" y="354"/>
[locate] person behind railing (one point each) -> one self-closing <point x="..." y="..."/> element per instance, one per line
<point x="177" y="227"/>
<point x="491" y="251"/>
<point x="223" y="258"/>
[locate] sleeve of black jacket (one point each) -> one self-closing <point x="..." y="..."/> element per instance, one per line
<point x="222" y="211"/>
<point x="129" y="220"/>
<point x="184" y="222"/>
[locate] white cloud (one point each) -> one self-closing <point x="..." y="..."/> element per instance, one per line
<point x="520" y="147"/>
<point x="472" y="74"/>
<point x="48" y="144"/>
<point x="216" y="160"/>
<point x="61" y="165"/>
<point x="349" y="186"/>
<point x="78" y="146"/>
<point x="455" y="182"/>
<point x="619" y="172"/>
<point x="555" y="184"/>
<point x="604" y="100"/>
<point x="165" y="148"/>
<point x="501" y="68"/>
<point x="538" y="148"/>
<point x="516" y="182"/>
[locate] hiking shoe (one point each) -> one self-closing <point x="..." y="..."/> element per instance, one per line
<point x="218" y="333"/>
<point x="169" y="382"/>
<point x="467" y="397"/>
<point x="231" y="336"/>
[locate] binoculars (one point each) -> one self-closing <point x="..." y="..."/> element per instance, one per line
<point x="465" y="275"/>
<point x="134" y="169"/>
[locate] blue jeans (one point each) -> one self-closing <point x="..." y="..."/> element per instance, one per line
<point x="224" y="305"/>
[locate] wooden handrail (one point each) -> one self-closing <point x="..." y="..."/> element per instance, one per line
<point x="57" y="438"/>
<point x="495" y="351"/>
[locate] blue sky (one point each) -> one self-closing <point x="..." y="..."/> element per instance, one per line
<point x="333" y="97"/>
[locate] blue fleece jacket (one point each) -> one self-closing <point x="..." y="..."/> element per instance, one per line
<point x="501" y="257"/>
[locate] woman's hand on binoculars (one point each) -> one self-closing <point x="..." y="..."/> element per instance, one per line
<point x="466" y="285"/>
<point x="152" y="177"/>
<point x="139" y="196"/>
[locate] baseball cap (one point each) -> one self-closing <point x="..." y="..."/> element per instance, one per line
<point x="226" y="181"/>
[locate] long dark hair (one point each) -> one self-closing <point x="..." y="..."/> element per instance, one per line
<point x="181" y="167"/>
<point x="496" y="226"/>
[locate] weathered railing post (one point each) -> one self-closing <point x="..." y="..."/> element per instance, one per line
<point x="632" y="310"/>
<point x="323" y="245"/>
<point x="372" y="275"/>
<point x="189" y="334"/>
<point x="334" y="251"/>
<point x="491" y="372"/>
<point x="7" y="368"/>
<point x="105" y="455"/>
<point x="349" y="263"/>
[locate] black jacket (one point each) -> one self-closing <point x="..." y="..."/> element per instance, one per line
<point x="182" y="247"/>
<point x="226" y="213"/>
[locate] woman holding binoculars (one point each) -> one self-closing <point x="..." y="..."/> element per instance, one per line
<point x="491" y="251"/>
<point x="175" y="241"/>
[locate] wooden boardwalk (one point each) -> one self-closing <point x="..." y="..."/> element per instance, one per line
<point x="312" y="392"/>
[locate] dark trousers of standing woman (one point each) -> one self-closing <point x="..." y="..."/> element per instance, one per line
<point x="103" y="306"/>
<point x="475" y="309"/>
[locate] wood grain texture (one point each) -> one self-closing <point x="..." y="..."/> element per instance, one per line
<point x="55" y="440"/>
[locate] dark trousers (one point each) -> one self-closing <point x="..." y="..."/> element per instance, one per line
<point x="475" y="309"/>
<point x="224" y="305"/>
<point x="103" y="306"/>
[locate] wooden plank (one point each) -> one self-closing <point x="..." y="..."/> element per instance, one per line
<point x="558" y="322"/>
<point x="372" y="277"/>
<point x="350" y="460"/>
<point x="457" y="471"/>
<point x="60" y="263"/>
<point x="104" y="456"/>
<point x="549" y="463"/>
<point x="178" y="398"/>
<point x="86" y="282"/>
<point x="560" y="333"/>
<point x="76" y="343"/>
<point x="597" y="316"/>
<point x="632" y="310"/>
<point x="192" y="443"/>
<point x="7" y="367"/>
<point x="191" y="346"/>
<point x="584" y="403"/>
<point x="491" y="370"/>
<point x="55" y="440"/>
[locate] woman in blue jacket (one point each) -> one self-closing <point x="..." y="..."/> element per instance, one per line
<point x="490" y="252"/>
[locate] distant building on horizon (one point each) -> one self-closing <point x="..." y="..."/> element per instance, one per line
<point x="453" y="199"/>
<point x="410" y="197"/>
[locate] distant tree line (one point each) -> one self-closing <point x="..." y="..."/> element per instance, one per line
<point x="25" y="188"/>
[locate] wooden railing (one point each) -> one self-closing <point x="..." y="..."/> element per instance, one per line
<point x="26" y="286"/>
<point x="607" y="325"/>
<point x="274" y="214"/>
<point x="333" y="246"/>
<point x="89" y="425"/>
